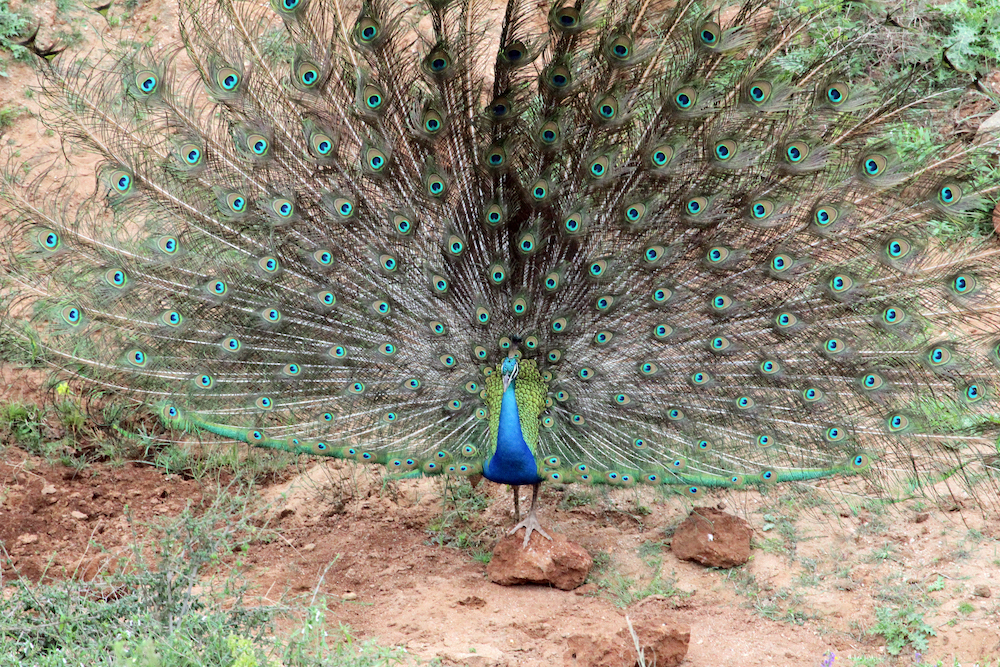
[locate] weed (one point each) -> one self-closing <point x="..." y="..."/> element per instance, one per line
<point x="881" y="554"/>
<point x="901" y="626"/>
<point x="867" y="661"/>
<point x="625" y="590"/>
<point x="602" y="559"/>
<point x="22" y="423"/>
<point x="179" y="604"/>
<point x="461" y="504"/>
<point x="576" y="498"/>
<point x="12" y="25"/>
<point x="9" y="115"/>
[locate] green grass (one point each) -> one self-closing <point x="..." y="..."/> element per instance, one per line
<point x="111" y="430"/>
<point x="625" y="591"/>
<point x="576" y="498"/>
<point x="181" y="602"/>
<point x="461" y="505"/>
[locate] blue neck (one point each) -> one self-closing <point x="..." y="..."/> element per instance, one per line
<point x="512" y="462"/>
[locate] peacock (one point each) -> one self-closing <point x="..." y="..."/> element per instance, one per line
<point x="606" y="242"/>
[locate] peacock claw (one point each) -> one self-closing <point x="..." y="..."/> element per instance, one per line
<point x="530" y="524"/>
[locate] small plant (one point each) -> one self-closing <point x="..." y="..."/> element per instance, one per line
<point x="9" y="115"/>
<point x="867" y="661"/>
<point x="965" y="608"/>
<point x="12" y="25"/>
<point x="626" y="591"/>
<point x="22" y="423"/>
<point x="182" y="602"/>
<point x="602" y="559"/>
<point x="576" y="498"/>
<point x="902" y="626"/>
<point x="461" y="504"/>
<point x="881" y="554"/>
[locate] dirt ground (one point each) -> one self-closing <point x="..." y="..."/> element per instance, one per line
<point x="367" y="547"/>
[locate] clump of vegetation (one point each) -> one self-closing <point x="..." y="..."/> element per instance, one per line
<point x="902" y="627"/>
<point x="461" y="505"/>
<point x="181" y="602"/>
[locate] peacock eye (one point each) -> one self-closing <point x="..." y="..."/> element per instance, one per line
<point x="514" y="52"/>
<point x="759" y="92"/>
<point x="725" y="150"/>
<point x="147" y="81"/>
<point x="367" y="30"/>
<point x="228" y="79"/>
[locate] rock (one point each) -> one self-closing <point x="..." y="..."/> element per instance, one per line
<point x="48" y="490"/>
<point x="78" y="515"/>
<point x="712" y="538"/>
<point x="586" y="589"/>
<point x="473" y="602"/>
<point x="349" y="596"/>
<point x="663" y="645"/>
<point x="91" y="567"/>
<point x="557" y="562"/>
<point x="982" y="591"/>
<point x="27" y="538"/>
<point x="920" y="518"/>
<point x="480" y="656"/>
<point x="309" y="547"/>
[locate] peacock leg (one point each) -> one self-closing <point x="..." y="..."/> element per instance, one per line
<point x="530" y="522"/>
<point x="517" y="502"/>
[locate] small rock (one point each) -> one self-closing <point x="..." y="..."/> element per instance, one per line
<point x="481" y="656"/>
<point x="309" y="547"/>
<point x="473" y="602"/>
<point x="27" y="538"/>
<point x="920" y="518"/>
<point x="48" y="490"/>
<point x="663" y="645"/>
<point x="845" y="585"/>
<point x="349" y="596"/>
<point x="712" y="538"/>
<point x="586" y="589"/>
<point x="982" y="591"/>
<point x="429" y="499"/>
<point x="78" y="515"/>
<point x="557" y="562"/>
<point x="287" y="512"/>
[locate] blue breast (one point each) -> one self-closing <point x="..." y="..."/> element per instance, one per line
<point x="512" y="462"/>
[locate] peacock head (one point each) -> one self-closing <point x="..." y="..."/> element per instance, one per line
<point x="508" y="370"/>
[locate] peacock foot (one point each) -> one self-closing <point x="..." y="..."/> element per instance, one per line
<point x="530" y="524"/>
